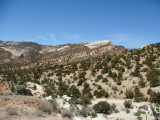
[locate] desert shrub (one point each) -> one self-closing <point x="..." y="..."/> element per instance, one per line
<point x="82" y="75"/>
<point x="149" y="91"/>
<point x="138" y="96"/>
<point x="74" y="100"/>
<point x="93" y="114"/>
<point x="144" y="70"/>
<point x="84" y="112"/>
<point x="72" y="108"/>
<point x="45" y="107"/>
<point x="105" y="80"/>
<point x="34" y="87"/>
<point x="129" y="94"/>
<point x="99" y="87"/>
<point x="89" y="95"/>
<point x="84" y="100"/>
<point x="113" y="74"/>
<point x="11" y="111"/>
<point x="142" y="83"/>
<point x="38" y="113"/>
<point x="153" y="76"/>
<point x="48" y="106"/>
<point x="155" y="97"/>
<point x="128" y="104"/>
<point x="62" y="89"/>
<point x="114" y="87"/>
<point x="135" y="73"/>
<point x="102" y="107"/>
<point x="113" y="106"/>
<point x="127" y="110"/>
<point x="138" y="114"/>
<point x="22" y="90"/>
<point x="101" y="93"/>
<point x="119" y="82"/>
<point x="105" y="70"/>
<point x="54" y="105"/>
<point x="80" y="82"/>
<point x="99" y="77"/>
<point x="67" y="113"/>
<point x="74" y="91"/>
<point x="98" y="65"/>
<point x="86" y="88"/>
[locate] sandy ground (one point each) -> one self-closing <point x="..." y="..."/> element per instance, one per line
<point x="51" y="117"/>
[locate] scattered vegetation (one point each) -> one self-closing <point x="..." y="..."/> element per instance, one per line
<point x="97" y="77"/>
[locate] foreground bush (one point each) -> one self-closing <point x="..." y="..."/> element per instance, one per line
<point x="11" y="111"/>
<point x="22" y="90"/>
<point x="102" y="107"/>
<point x="48" y="107"/>
<point x="38" y="113"/>
<point x="67" y="113"/>
<point x="84" y="112"/>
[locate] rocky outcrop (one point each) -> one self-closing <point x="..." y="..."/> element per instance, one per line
<point x="99" y="44"/>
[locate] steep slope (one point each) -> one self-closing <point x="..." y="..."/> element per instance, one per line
<point x="32" y="53"/>
<point x="84" y="76"/>
<point x="5" y="56"/>
<point x="18" y="48"/>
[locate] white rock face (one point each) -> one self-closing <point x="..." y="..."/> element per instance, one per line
<point x="144" y="46"/>
<point x="98" y="44"/>
<point x="62" y="48"/>
<point x="48" y="50"/>
<point x="39" y="91"/>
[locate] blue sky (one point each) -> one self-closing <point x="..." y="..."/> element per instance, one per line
<point x="131" y="23"/>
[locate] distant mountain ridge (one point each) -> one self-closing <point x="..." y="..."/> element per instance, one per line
<point x="27" y="52"/>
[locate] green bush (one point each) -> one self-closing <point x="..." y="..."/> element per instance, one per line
<point x="149" y="91"/>
<point x="62" y="88"/>
<point x="22" y="90"/>
<point x="74" y="91"/>
<point x="74" y="100"/>
<point x="119" y="82"/>
<point x="105" y="80"/>
<point x="102" y="107"/>
<point x="99" y="77"/>
<point x="138" y="96"/>
<point x="101" y="93"/>
<point x="153" y="76"/>
<point x="99" y="87"/>
<point x="128" y="104"/>
<point x="155" y="97"/>
<point x="89" y="95"/>
<point x="84" y="100"/>
<point x="142" y="83"/>
<point x="129" y="94"/>
<point x="80" y="82"/>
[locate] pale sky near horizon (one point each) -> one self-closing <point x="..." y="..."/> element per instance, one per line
<point x="131" y="23"/>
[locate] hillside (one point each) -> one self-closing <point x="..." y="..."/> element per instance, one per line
<point x="83" y="74"/>
<point x="31" y="54"/>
